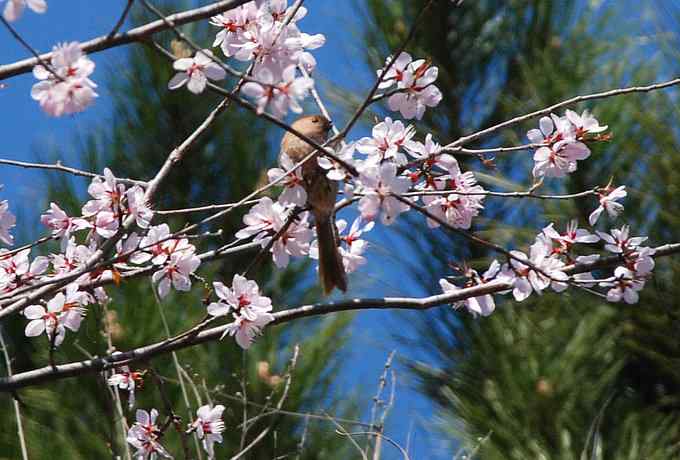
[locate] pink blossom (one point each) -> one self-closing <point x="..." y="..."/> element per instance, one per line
<point x="60" y="223"/>
<point x="270" y="41"/>
<point x="262" y="219"/>
<point x="72" y="91"/>
<point x="609" y="202"/>
<point x="429" y="150"/>
<point x="195" y="72"/>
<point x="482" y="305"/>
<point x="571" y="236"/>
<point x="144" y="436"/>
<point x="352" y="247"/>
<point x="293" y="185"/>
<point x="619" y="241"/>
<point x="459" y="207"/>
<point x="176" y="273"/>
<point x="209" y="426"/>
<point x="585" y="123"/>
<point x="242" y="299"/>
<point x="265" y="219"/>
<point x="7" y="222"/>
<point x="245" y="331"/>
<point x="625" y="286"/>
<point x="415" y="81"/>
<point x="379" y="183"/>
<point x="107" y="194"/>
<point x="562" y="151"/>
<point x="64" y="311"/>
<point x="395" y="73"/>
<point x="71" y="258"/>
<point x="235" y="25"/>
<point x="293" y="242"/>
<point x="158" y="246"/>
<point x="14" y="8"/>
<point x="388" y="137"/>
<point x="279" y="93"/>
<point x="336" y="171"/>
<point x="16" y="270"/>
<point x="138" y="207"/>
<point x="125" y="379"/>
<point x="525" y="279"/>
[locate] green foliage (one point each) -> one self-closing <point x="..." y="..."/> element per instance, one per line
<point x="557" y="377"/>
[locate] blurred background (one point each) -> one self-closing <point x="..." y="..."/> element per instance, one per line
<point x="555" y="377"/>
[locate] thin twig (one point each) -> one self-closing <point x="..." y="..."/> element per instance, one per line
<point x="279" y="405"/>
<point x="381" y="436"/>
<point x="369" y="97"/>
<point x="30" y="49"/>
<point x="121" y="20"/>
<point x="342" y="431"/>
<point x="178" y="369"/>
<point x="67" y="169"/>
<point x="61" y="371"/>
<point x="137" y="34"/>
<point x="15" y="402"/>
<point x="588" y="97"/>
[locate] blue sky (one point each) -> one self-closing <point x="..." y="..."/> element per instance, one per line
<point x="26" y="131"/>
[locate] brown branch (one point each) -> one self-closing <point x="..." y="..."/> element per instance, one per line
<point x="61" y="371"/>
<point x="369" y="97"/>
<point x="121" y="20"/>
<point x="137" y="34"/>
<point x="67" y="169"/>
<point x="588" y="97"/>
<point x="25" y="44"/>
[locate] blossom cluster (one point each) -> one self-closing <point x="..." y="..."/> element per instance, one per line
<point x="563" y="142"/>
<point x="552" y="256"/>
<point x="65" y="87"/>
<point x="145" y="434"/>
<point x="264" y="33"/>
<point x="390" y="163"/>
<point x="414" y="82"/>
<point x="250" y="310"/>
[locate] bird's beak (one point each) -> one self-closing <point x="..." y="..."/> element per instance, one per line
<point x="329" y="125"/>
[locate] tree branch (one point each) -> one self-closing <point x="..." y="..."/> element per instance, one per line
<point x="133" y="35"/>
<point x="61" y="371"/>
<point x="588" y="97"/>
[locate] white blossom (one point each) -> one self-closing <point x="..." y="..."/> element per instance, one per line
<point x="176" y="273"/>
<point x="209" y="426"/>
<point x="15" y="8"/>
<point x="67" y="88"/>
<point x="7" y="222"/>
<point x="293" y="184"/>
<point x="144" y="436"/>
<point x="379" y="183"/>
<point x="609" y="202"/>
<point x="414" y="80"/>
<point x="279" y="93"/>
<point x="387" y="139"/>
<point x="195" y="72"/>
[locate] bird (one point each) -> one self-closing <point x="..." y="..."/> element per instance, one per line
<point x="321" y="194"/>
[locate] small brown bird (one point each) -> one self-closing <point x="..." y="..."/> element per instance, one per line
<point x="321" y="194"/>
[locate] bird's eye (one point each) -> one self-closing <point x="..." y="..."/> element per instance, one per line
<point x="315" y="120"/>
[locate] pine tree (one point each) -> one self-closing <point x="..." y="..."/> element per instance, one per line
<point x="558" y="376"/>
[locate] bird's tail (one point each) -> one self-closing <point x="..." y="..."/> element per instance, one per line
<point x="331" y="269"/>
